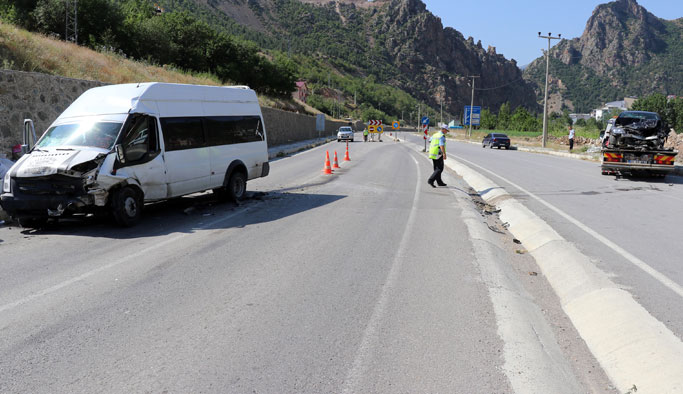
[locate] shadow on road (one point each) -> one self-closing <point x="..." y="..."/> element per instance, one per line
<point x="190" y="214"/>
<point x="668" y="179"/>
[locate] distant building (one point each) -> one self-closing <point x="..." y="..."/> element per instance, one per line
<point x="620" y="105"/>
<point x="629" y="101"/>
<point x="575" y="117"/>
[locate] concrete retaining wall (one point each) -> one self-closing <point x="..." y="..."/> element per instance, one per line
<point x="42" y="97"/>
<point x="287" y="127"/>
<point x="36" y="96"/>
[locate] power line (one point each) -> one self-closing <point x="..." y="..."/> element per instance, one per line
<point x="501" y="86"/>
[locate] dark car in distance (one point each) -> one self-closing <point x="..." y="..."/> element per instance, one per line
<point x="497" y="140"/>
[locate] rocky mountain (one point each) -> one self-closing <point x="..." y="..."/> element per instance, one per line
<point x="624" y="51"/>
<point x="397" y="42"/>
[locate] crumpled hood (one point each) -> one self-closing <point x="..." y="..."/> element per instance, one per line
<point x="49" y="162"/>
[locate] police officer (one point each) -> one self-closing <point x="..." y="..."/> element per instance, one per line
<point x="365" y="135"/>
<point x="437" y="152"/>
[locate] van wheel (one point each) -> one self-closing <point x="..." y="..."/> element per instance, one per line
<point x="126" y="206"/>
<point x="237" y="186"/>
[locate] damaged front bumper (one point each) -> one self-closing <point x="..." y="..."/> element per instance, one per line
<point x="51" y="196"/>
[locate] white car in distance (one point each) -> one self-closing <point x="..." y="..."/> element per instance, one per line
<point x="345" y="133"/>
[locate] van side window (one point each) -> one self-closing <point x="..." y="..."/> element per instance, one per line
<point x="140" y="138"/>
<point x="182" y="133"/>
<point x="226" y="130"/>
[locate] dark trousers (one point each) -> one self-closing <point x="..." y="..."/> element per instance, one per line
<point x="438" y="169"/>
<point x="571" y="143"/>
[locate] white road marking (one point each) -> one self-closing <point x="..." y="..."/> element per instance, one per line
<point x="120" y="261"/>
<point x="661" y="278"/>
<point x="362" y="359"/>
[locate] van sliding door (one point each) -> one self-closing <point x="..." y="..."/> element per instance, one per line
<point x="187" y="155"/>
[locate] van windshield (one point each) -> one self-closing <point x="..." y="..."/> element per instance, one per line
<point x="97" y="134"/>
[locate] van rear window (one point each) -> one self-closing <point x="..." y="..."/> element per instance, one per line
<point x="226" y="130"/>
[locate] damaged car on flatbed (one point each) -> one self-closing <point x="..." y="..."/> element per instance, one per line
<point x="119" y="146"/>
<point x="635" y="145"/>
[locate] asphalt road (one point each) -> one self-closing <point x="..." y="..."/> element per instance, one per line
<point x="640" y="215"/>
<point x="367" y="280"/>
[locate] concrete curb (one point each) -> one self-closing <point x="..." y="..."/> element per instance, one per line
<point x="631" y="345"/>
<point x="533" y="360"/>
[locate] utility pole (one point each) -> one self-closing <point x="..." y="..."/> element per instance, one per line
<point x="469" y="133"/>
<point x="545" y="100"/>
<point x="441" y="115"/>
<point x="71" y="22"/>
<point x="418" y="116"/>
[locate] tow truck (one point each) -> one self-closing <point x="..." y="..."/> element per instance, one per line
<point x="635" y="146"/>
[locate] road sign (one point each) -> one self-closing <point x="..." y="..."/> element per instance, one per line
<point x="424" y="121"/>
<point x="371" y="129"/>
<point x="396" y="125"/>
<point x="379" y="129"/>
<point x="476" y="115"/>
<point x="320" y="122"/>
<point x="374" y="122"/>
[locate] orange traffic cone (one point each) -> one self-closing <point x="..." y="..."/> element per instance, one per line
<point x="336" y="163"/>
<point x="346" y="157"/>
<point x="327" y="169"/>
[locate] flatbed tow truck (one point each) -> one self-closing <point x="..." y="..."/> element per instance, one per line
<point x="629" y="161"/>
<point x="635" y="146"/>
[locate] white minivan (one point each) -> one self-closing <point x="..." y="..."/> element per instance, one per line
<point x="119" y="146"/>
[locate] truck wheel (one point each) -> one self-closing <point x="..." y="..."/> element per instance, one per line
<point x="237" y="186"/>
<point x="126" y="206"/>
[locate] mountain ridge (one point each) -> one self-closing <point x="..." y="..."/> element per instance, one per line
<point x="623" y="51"/>
<point x="399" y="42"/>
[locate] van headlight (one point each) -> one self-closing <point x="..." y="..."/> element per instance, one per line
<point x="6" y="183"/>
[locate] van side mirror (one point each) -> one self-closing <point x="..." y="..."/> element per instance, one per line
<point x="29" y="136"/>
<point x="120" y="154"/>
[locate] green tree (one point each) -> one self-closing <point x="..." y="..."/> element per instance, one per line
<point x="677" y="123"/>
<point x="593" y="124"/>
<point x="522" y="120"/>
<point x="17" y="12"/>
<point x="488" y="119"/>
<point x="504" y="116"/>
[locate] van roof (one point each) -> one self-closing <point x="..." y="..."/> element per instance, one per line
<point x="148" y="98"/>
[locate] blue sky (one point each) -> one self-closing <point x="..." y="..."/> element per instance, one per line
<point x="512" y="26"/>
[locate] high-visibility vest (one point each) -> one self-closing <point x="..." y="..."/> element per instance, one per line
<point x="365" y="132"/>
<point x="434" y="145"/>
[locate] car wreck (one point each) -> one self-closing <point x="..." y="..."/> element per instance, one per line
<point x="634" y="145"/>
<point x="638" y="130"/>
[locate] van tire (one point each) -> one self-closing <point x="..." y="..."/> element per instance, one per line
<point x="237" y="186"/>
<point x="126" y="206"/>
